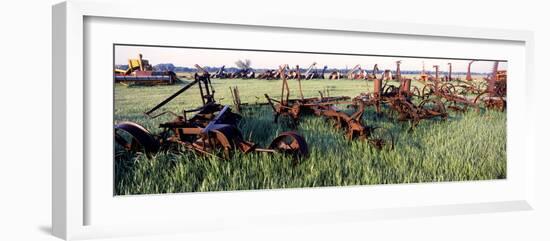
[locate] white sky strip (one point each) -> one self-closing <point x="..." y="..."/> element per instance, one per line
<point x="187" y="57"/>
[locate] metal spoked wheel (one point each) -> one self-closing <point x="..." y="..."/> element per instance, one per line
<point x="290" y="143"/>
<point x="448" y="89"/>
<point x="416" y="92"/>
<point x="135" y="139"/>
<point x="390" y="90"/>
<point x="479" y="100"/>
<point x="486" y="101"/>
<point x="428" y="90"/>
<point x="222" y="140"/>
<point x="434" y="107"/>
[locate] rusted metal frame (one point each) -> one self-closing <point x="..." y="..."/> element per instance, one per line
<point x="201" y="92"/>
<point x="321" y="103"/>
<point x="164" y="113"/>
<point x="318" y="100"/>
<point x="235" y="96"/>
<point x="209" y="134"/>
<point x="458" y="99"/>
<point x="207" y="131"/>
<point x="450" y="97"/>
<point x="405" y="109"/>
<point x="299" y="77"/>
<point x="377" y="94"/>
<point x="238" y="96"/>
<point x="215" y="120"/>
<point x="190" y="130"/>
<point x="358" y="114"/>
<point x="270" y="102"/>
<point x="374" y="69"/>
<point x="351" y="72"/>
<point x="284" y="87"/>
<point x="232" y="95"/>
<point x="405" y="87"/>
<point x="284" y="101"/>
<point x="491" y="102"/>
<point x="450" y="76"/>
<point x="170" y="98"/>
<point x="198" y="80"/>
<point x="468" y="73"/>
<point x="205" y="78"/>
<point x="398" y="70"/>
<point x="436" y="67"/>
<point x="353" y="123"/>
<point x="409" y="111"/>
<point x="468" y="87"/>
<point x="321" y="94"/>
<point x="265" y="150"/>
<point x="206" y="95"/>
<point x="496" y="91"/>
<point x="308" y="74"/>
<point x="144" y="137"/>
<point x="195" y="147"/>
<point x="426" y="112"/>
<point x="492" y="80"/>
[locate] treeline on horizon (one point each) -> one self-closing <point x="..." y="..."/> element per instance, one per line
<point x="180" y="69"/>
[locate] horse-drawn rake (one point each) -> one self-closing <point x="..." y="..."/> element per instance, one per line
<point x="456" y="98"/>
<point x="459" y="96"/>
<point x="436" y="98"/>
<point x="211" y="131"/>
<point x="326" y="106"/>
<point x="399" y="101"/>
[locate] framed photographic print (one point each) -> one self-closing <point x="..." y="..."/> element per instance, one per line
<point x="213" y="122"/>
<point x="212" y="129"/>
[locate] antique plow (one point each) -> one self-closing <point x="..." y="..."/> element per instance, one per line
<point x="490" y="94"/>
<point x="400" y="101"/>
<point x="449" y="94"/>
<point x="406" y="110"/>
<point x="352" y="124"/>
<point x="294" y="108"/>
<point x="494" y="97"/>
<point x="454" y="100"/>
<point x="211" y="131"/>
<point x="382" y="93"/>
<point x="326" y="106"/>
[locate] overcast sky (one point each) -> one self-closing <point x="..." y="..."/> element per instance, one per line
<point x="186" y="57"/>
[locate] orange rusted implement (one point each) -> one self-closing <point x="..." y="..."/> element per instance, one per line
<point x="326" y="106"/>
<point x="493" y="96"/>
<point x="399" y="101"/>
<point x="212" y="130"/>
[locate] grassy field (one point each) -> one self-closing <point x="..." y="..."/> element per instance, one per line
<point x="469" y="146"/>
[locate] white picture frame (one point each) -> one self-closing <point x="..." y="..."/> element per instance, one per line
<point x="70" y="189"/>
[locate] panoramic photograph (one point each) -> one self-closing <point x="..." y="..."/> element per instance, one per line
<point x="192" y="119"/>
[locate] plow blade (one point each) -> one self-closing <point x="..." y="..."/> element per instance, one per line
<point x="292" y="143"/>
<point x="140" y="138"/>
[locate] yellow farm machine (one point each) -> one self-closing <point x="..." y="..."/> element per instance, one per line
<point x="140" y="72"/>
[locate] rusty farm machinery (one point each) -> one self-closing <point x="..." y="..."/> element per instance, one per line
<point x="211" y="131"/>
<point x="438" y="95"/>
<point x="326" y="106"/>
<point x="404" y="102"/>
<point x="490" y="94"/>
<point x="399" y="101"/>
<point x="140" y="72"/>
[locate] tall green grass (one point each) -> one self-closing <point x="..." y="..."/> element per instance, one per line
<point x="468" y="146"/>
